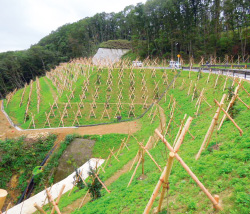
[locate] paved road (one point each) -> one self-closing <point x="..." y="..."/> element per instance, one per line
<point x="205" y="70"/>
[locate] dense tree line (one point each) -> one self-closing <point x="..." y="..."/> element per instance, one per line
<point x="158" y="28"/>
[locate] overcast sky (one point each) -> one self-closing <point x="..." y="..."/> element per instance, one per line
<point x="25" y="22"/>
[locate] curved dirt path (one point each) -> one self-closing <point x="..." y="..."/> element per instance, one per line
<point x="7" y="131"/>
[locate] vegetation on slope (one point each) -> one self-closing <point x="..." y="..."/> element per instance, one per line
<point x="17" y="162"/>
<point x="116" y="44"/>
<point x="77" y="75"/>
<point x="223" y="167"/>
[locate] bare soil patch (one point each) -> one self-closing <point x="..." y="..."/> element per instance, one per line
<point x="77" y="153"/>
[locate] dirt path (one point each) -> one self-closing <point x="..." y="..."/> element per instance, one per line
<point x="7" y="131"/>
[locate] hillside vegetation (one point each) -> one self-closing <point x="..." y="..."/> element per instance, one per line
<point x="158" y="28"/>
<point x="75" y="94"/>
<point x="18" y="162"/>
<point x="116" y="44"/>
<point x="223" y="167"/>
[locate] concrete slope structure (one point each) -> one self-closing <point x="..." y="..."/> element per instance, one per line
<point x="41" y="199"/>
<point x="106" y="56"/>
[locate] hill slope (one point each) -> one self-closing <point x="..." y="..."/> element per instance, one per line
<point x="77" y="94"/>
<point x="223" y="167"/>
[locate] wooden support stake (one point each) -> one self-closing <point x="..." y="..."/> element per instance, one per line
<point x="190" y="85"/>
<point x="40" y="209"/>
<point x="80" y="175"/>
<point x="52" y="201"/>
<point x="138" y="164"/>
<point x="180" y="129"/>
<point x="166" y="177"/>
<point x="8" y="207"/>
<point x="239" y="82"/>
<point x="229" y="117"/>
<point x="150" y="156"/>
<point x="211" y="128"/>
<point x="155" y="192"/>
<point x="243" y="102"/>
<point x="58" y="198"/>
<point x="134" y="160"/>
<point x="188" y="170"/>
<point x="111" y="151"/>
<point x="83" y="199"/>
<point x="230" y="104"/>
<point x="102" y="183"/>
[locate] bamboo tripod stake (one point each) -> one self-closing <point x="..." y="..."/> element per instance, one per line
<point x="230" y="104"/>
<point x="40" y="209"/>
<point x="230" y="118"/>
<point x="58" y="198"/>
<point x="165" y="174"/>
<point x="52" y="201"/>
<point x="211" y="198"/>
<point x="165" y="182"/>
<point x="211" y="128"/>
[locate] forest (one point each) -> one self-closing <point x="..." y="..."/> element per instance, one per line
<point x="158" y="28"/>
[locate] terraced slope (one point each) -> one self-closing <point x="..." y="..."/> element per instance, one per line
<point x="77" y="94"/>
<point x="223" y="167"/>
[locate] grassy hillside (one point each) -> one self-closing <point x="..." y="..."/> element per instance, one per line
<point x="223" y="167"/>
<point x="98" y="87"/>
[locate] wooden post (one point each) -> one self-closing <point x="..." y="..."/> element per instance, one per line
<point x="211" y="128"/>
<point x="164" y="177"/>
<point x="142" y="161"/>
<point x="230" y="104"/>
<point x="202" y="187"/>
<point x="83" y="199"/>
<point x="40" y="209"/>
<point x="52" y="201"/>
<point x="190" y="85"/>
<point x="229" y="117"/>
<point x="211" y="198"/>
<point x="107" y="160"/>
<point x="209" y="75"/>
<point x="3" y="195"/>
<point x="225" y="83"/>
<point x="138" y="164"/>
<point x="138" y="154"/>
<point x="239" y="82"/>
<point x="217" y="199"/>
<point x="155" y="192"/>
<point x="111" y="151"/>
<point x="171" y="116"/>
<point x="102" y="183"/>
<point x="80" y="175"/>
<point x="58" y="198"/>
<point x="180" y="129"/>
<point x="243" y="102"/>
<point x="165" y="183"/>
<point x="150" y="156"/>
<point x="8" y="207"/>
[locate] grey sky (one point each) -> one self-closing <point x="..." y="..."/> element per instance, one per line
<point x="25" y="22"/>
